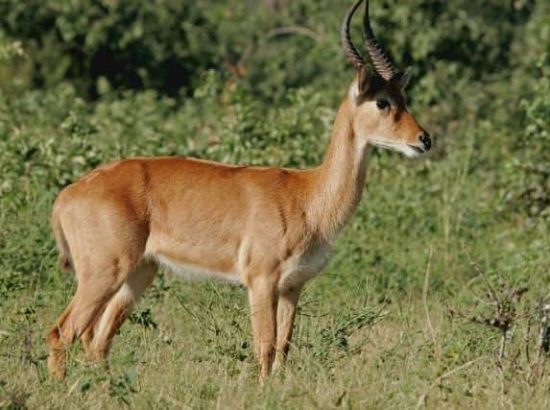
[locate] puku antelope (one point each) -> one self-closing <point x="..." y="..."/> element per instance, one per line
<point x="270" y="229"/>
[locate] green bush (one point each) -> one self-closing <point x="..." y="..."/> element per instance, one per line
<point x="530" y="180"/>
<point x="387" y="324"/>
<point x="167" y="45"/>
<point x="139" y="44"/>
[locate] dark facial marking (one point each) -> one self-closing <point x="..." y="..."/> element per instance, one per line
<point x="369" y="86"/>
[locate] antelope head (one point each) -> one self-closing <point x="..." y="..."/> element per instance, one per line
<point x="379" y="110"/>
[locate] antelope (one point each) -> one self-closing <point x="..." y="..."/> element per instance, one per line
<point x="269" y="229"/>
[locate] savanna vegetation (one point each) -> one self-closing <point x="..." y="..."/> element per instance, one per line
<point x="438" y="292"/>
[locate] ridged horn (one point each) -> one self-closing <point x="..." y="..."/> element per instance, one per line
<point x="380" y="60"/>
<point x="345" y="38"/>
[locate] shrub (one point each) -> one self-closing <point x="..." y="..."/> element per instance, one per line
<point x="530" y="169"/>
<point x="167" y="45"/>
<point x="138" y="44"/>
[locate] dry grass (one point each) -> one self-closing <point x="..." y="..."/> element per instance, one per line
<point x="388" y="358"/>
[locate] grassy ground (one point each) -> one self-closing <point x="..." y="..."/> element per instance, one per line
<point x="429" y="274"/>
<point x="388" y="325"/>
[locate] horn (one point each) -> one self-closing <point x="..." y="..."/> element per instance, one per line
<point x="380" y="60"/>
<point x="345" y="38"/>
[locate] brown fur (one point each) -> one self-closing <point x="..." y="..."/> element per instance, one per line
<point x="271" y="228"/>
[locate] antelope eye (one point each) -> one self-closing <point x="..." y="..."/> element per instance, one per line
<point x="382" y="103"/>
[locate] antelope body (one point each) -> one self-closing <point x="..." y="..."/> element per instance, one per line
<point x="270" y="229"/>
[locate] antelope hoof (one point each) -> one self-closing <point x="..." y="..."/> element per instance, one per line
<point x="57" y="364"/>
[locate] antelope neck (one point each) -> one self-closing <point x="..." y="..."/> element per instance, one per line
<point x="339" y="181"/>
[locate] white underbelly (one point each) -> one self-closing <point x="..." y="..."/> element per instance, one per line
<point x="298" y="270"/>
<point x="193" y="272"/>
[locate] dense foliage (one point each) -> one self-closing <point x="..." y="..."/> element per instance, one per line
<point x="87" y="81"/>
<point x="234" y="61"/>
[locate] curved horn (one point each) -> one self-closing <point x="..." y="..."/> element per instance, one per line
<point x="380" y="60"/>
<point x="345" y="38"/>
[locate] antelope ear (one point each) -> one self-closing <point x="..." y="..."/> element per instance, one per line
<point x="364" y="80"/>
<point x="404" y="78"/>
<point x="367" y="84"/>
<point x="361" y="85"/>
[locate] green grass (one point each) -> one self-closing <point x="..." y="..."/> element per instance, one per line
<point x="394" y="320"/>
<point x="385" y="326"/>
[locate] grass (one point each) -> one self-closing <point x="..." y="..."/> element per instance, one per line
<point x="401" y="318"/>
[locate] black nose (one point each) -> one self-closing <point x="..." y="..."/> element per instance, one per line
<point x="426" y="140"/>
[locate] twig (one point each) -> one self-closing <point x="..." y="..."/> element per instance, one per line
<point x="239" y="68"/>
<point x="506" y="335"/>
<point x="536" y="370"/>
<point x="544" y="335"/>
<point x="502" y="385"/>
<point x="424" y="396"/>
<point x="298" y="30"/>
<point x="425" y="302"/>
<point x="28" y="355"/>
<point x="527" y="340"/>
<point x="312" y="315"/>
